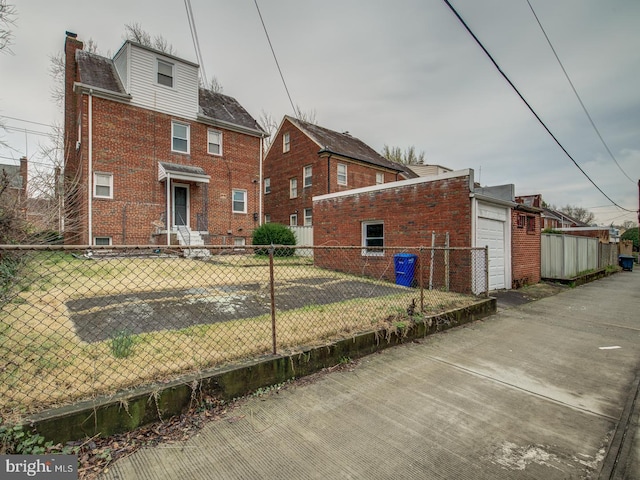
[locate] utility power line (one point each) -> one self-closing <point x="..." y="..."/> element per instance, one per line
<point x="577" y="95"/>
<point x="295" y="111"/>
<point x="196" y="41"/>
<point x="27" y="121"/>
<point x="464" y="24"/>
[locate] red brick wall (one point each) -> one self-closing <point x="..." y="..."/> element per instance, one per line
<point x="281" y="166"/>
<point x="128" y="142"/>
<point x="525" y="250"/>
<point x="410" y="214"/>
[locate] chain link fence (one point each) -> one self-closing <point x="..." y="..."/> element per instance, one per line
<point x="76" y="323"/>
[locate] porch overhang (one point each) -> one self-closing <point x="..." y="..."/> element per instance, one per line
<point x="181" y="172"/>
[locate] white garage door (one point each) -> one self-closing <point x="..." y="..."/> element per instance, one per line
<point x="491" y="232"/>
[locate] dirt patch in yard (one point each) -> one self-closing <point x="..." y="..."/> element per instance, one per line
<point x="97" y="318"/>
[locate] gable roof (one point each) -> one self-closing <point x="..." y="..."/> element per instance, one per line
<point x="345" y="145"/>
<point x="226" y="110"/>
<point x="98" y="71"/>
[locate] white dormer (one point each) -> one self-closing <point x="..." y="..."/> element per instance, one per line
<point x="158" y="81"/>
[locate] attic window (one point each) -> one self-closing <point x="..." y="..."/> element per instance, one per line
<point x="165" y="73"/>
<point x="286" y="142"/>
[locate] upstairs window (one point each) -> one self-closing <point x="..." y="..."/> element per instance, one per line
<point x="267" y="185"/>
<point x="239" y="201"/>
<point x="103" y="185"/>
<point x="214" y="142"/>
<point x="165" y="74"/>
<point x="306" y="172"/>
<point x="342" y="174"/>
<point x="531" y="224"/>
<point x="522" y="220"/>
<point x="308" y="217"/>
<point x="293" y="188"/>
<point x="286" y="142"/>
<point x="179" y="137"/>
<point x="379" y="178"/>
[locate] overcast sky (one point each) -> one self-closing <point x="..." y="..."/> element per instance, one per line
<point x="401" y="73"/>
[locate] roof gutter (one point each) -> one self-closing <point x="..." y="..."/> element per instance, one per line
<point x="231" y="126"/>
<point x="327" y="151"/>
<point x="494" y="200"/>
<point x="81" y="88"/>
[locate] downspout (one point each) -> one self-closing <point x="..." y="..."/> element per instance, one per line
<point x="329" y="174"/>
<point x="90" y="172"/>
<point x="260" y="186"/>
<point x="167" y="215"/>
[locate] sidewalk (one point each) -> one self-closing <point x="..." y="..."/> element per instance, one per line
<point x="533" y="392"/>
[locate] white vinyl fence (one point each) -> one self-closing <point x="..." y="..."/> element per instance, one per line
<point x="564" y="256"/>
<point x="304" y="237"/>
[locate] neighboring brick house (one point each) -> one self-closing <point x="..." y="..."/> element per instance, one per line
<point x="306" y="160"/>
<point x="148" y="152"/>
<point x="526" y="240"/>
<point x="406" y="214"/>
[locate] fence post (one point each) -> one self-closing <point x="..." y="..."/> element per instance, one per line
<point x="433" y="242"/>
<point x="486" y="270"/>
<point x="273" y="299"/>
<point x="421" y="259"/>
<point x="446" y="261"/>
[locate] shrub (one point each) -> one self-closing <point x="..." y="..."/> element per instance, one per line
<point x="631" y="234"/>
<point x="122" y="344"/>
<point x="274" y="234"/>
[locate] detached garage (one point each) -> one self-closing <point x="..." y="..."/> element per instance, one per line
<point x="409" y="212"/>
<point x="493" y="229"/>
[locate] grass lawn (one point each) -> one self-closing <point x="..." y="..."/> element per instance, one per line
<point x="44" y="363"/>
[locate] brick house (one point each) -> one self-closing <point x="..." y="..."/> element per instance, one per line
<point x="305" y="160"/>
<point x="406" y="214"/>
<point x="526" y="223"/>
<point x="151" y="158"/>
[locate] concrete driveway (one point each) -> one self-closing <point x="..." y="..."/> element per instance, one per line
<point x="533" y="392"/>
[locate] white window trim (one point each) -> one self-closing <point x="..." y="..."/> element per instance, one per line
<point x="366" y="253"/>
<point x="308" y="219"/>
<point x="173" y="73"/>
<point x="95" y="184"/>
<point x="379" y="178"/>
<point x="218" y="132"/>
<point x="286" y="142"/>
<point x="306" y="177"/>
<point x="293" y="220"/>
<point x="95" y="240"/>
<point x="292" y="182"/>
<point x="267" y="185"/>
<point x="345" y="174"/>
<point x="244" y="201"/>
<point x="173" y="124"/>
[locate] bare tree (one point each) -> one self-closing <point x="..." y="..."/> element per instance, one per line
<point x="135" y="33"/>
<point x="269" y="125"/>
<point x="406" y="157"/>
<point x="308" y="116"/>
<point x="578" y="213"/>
<point x="8" y="14"/>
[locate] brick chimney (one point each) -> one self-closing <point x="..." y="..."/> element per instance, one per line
<point x="24" y="173"/>
<point x="71" y="45"/>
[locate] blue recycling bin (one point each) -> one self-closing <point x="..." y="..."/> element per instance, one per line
<point x="405" y="267"/>
<point x="626" y="262"/>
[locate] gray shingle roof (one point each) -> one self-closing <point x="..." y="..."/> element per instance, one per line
<point x="345" y="145"/>
<point x="226" y="109"/>
<point x="98" y="71"/>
